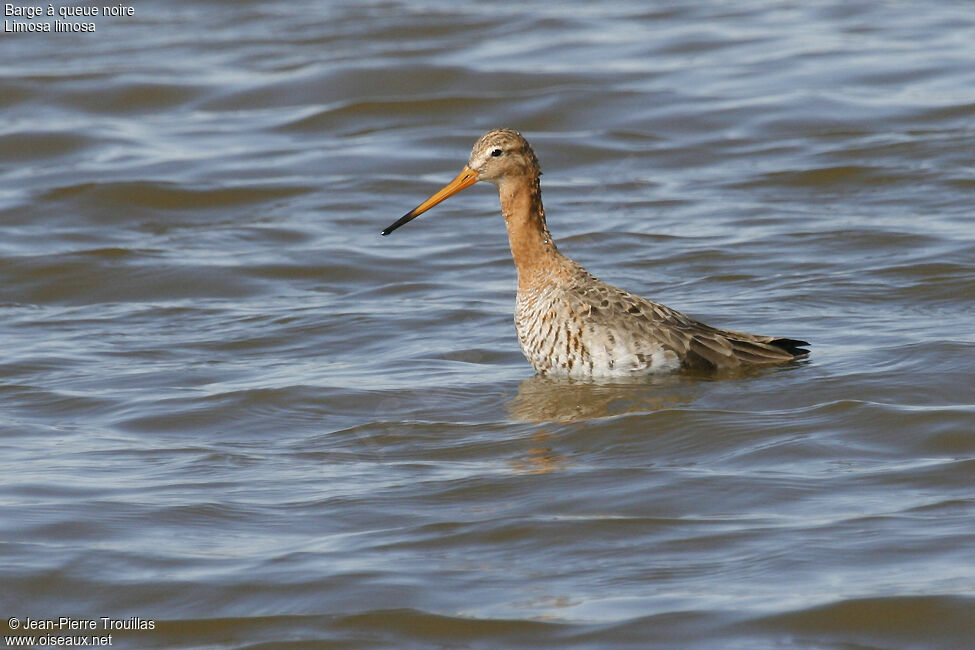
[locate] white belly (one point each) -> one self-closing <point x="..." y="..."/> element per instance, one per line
<point x="558" y="342"/>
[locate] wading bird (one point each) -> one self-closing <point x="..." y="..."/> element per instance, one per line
<point x="571" y="324"/>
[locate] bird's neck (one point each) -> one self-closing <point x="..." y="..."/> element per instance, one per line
<point x="532" y="248"/>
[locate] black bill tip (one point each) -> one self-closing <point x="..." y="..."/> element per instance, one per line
<point x="409" y="216"/>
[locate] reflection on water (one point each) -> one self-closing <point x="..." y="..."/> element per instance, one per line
<point x="541" y="458"/>
<point x="544" y="399"/>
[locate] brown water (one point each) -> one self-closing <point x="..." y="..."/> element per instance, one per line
<point x="229" y="407"/>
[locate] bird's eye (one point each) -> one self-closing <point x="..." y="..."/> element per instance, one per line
<point x="496" y="153"/>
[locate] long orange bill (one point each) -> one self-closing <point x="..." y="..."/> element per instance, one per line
<point x="465" y="178"/>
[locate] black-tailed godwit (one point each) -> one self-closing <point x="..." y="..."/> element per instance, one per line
<point x="571" y="324"/>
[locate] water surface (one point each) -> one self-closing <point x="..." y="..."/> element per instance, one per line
<point x="233" y="409"/>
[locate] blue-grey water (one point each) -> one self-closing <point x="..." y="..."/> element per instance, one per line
<point x="231" y="409"/>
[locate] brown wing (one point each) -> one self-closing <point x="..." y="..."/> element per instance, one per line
<point x="650" y="325"/>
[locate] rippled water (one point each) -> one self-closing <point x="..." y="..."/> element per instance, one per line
<point x="231" y="408"/>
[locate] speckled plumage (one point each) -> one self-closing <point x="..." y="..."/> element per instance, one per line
<point x="571" y="324"/>
<point x="582" y="327"/>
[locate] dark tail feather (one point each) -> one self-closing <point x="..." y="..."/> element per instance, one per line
<point x="792" y="346"/>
